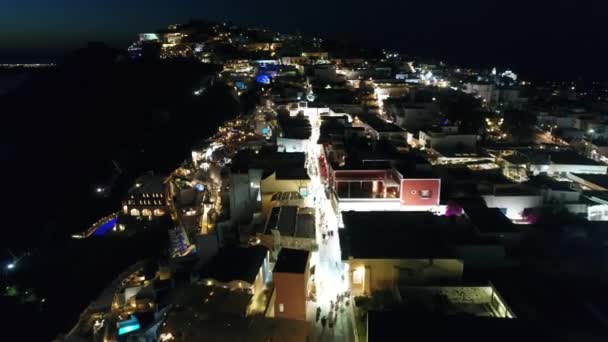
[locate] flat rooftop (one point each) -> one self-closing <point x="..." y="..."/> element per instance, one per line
<point x="489" y="220"/>
<point x="292" y="261"/>
<point x="291" y="221"/>
<point x="541" y="156"/>
<point x="268" y="160"/>
<point x="236" y="263"/>
<point x="393" y="235"/>
<point x="188" y="325"/>
<point x="378" y="124"/>
<point x="147" y="184"/>
<point x="202" y="299"/>
<point x="402" y="326"/>
<point x="599" y="180"/>
<point x="292" y="173"/>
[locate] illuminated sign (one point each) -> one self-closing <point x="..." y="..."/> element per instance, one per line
<point x="265" y="130"/>
<point x="199" y="187"/>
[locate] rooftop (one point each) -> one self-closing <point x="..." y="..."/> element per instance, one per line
<point x="236" y="263"/>
<point x="266" y="159"/>
<point x="148" y="184"/>
<point x="291" y="221"/>
<point x="598" y="180"/>
<point x="210" y="299"/>
<point x="402" y="235"/>
<point x="516" y="159"/>
<point x="188" y="325"/>
<point x="292" y="174"/>
<point x="378" y="124"/>
<point x="567" y="157"/>
<point x="292" y="261"/>
<point x="295" y="127"/>
<point x="543" y="181"/>
<point x="405" y="326"/>
<point x="489" y="220"/>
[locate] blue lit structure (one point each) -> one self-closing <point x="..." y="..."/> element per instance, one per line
<point x="106" y="227"/>
<point x="240" y="85"/>
<point x="130" y="325"/>
<point x="265" y="130"/>
<point x="263" y="78"/>
<point x="199" y="187"/>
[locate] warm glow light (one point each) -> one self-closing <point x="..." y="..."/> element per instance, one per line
<point x="358" y="275"/>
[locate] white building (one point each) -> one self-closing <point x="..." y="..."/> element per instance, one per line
<point x="486" y="91"/>
<point x="292" y="145"/>
<point x="447" y="137"/>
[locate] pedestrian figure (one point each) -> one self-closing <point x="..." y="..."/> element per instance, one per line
<point x="318" y="314"/>
<point x="323" y="322"/>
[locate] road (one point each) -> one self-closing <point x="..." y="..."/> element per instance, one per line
<point x="329" y="269"/>
<point x="544" y="137"/>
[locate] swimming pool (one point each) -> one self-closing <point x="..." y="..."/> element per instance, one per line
<point x="105" y="227"/>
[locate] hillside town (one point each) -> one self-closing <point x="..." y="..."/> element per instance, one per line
<point x="366" y="195"/>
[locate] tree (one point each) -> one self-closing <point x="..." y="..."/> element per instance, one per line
<point x="463" y="110"/>
<point x="520" y="124"/>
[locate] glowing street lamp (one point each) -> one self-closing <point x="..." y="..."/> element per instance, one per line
<point x="11" y="266"/>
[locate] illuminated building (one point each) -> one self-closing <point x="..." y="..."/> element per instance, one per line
<point x="289" y="226"/>
<point x="244" y="269"/>
<point x="290" y="276"/>
<point x="146" y="198"/>
<point x="381" y="129"/>
<point x="286" y="180"/>
<point x="406" y="249"/>
<point x="294" y="134"/>
<point x="412" y="115"/>
<point x="253" y="179"/>
<point x="446" y="137"/>
<point x="486" y="91"/>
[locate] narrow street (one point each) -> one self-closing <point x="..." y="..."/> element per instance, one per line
<point x="329" y="269"/>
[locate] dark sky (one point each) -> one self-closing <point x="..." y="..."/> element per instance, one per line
<point x="548" y="37"/>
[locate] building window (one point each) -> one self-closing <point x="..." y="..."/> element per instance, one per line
<point x="134" y="212"/>
<point x="281" y="307"/>
<point x="358" y="275"/>
<point x="425" y="193"/>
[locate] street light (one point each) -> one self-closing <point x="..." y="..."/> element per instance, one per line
<point x="10" y="266"/>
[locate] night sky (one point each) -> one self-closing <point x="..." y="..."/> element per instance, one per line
<point x="561" y="38"/>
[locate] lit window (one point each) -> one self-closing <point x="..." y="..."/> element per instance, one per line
<point x="425" y="193"/>
<point x="281" y="307"/>
<point x="358" y="275"/>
